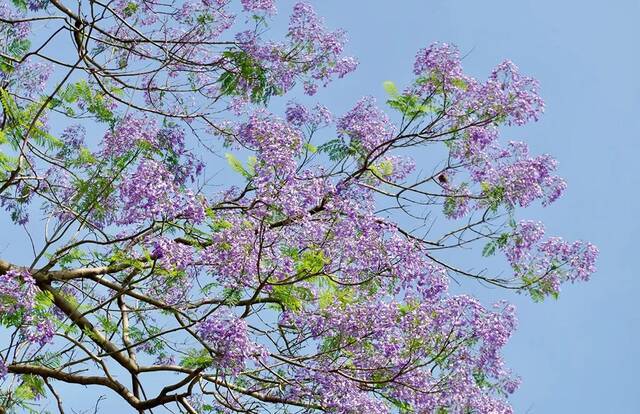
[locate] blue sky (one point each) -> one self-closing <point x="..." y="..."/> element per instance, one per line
<point x="578" y="354"/>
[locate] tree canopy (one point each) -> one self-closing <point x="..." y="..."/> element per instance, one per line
<point x="311" y="275"/>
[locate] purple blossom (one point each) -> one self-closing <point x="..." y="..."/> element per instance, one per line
<point x="17" y="291"/>
<point x="74" y="136"/>
<point x="38" y="330"/>
<point x="172" y="255"/>
<point x="130" y="132"/>
<point x="522" y="178"/>
<point x="276" y="142"/>
<point x="151" y="192"/>
<point x="18" y="295"/>
<point x="440" y="60"/>
<point x="366" y="124"/>
<point x="298" y="115"/>
<point x="545" y="264"/>
<point x="227" y="335"/>
<point x="266" y="6"/>
<point x="3" y="369"/>
<point x="18" y="31"/>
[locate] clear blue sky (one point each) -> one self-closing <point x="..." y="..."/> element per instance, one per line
<point x="578" y="354"/>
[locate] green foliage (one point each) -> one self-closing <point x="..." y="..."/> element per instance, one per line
<point x="48" y="359"/>
<point x="197" y="359"/>
<point x="450" y="205"/>
<point x="460" y="84"/>
<point x="20" y="4"/>
<point x="310" y="147"/>
<point x="31" y="388"/>
<point x="43" y="300"/>
<point x="246" y="71"/>
<point x="494" y="195"/>
<point x="333" y="295"/>
<point x="21" y="120"/>
<point x="338" y="150"/>
<point x="382" y="169"/>
<point x="108" y="326"/>
<point x="481" y="379"/>
<point x="292" y="297"/>
<point x="13" y="319"/>
<point x="390" y="88"/>
<point x="411" y="106"/>
<point x="217" y="224"/>
<point x="237" y="166"/>
<point x="490" y="248"/>
<point x="71" y="257"/>
<point x="311" y="262"/>
<point x="232" y="296"/>
<point x="130" y="9"/>
<point x="402" y="406"/>
<point x="153" y="345"/>
<point x="539" y="289"/>
<point x="94" y="101"/>
<point x="17" y="49"/>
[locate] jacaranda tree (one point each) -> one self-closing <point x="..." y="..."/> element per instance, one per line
<point x="311" y="275"/>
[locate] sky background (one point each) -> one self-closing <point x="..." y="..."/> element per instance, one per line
<point x="578" y="354"/>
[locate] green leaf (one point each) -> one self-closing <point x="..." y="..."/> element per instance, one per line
<point x="197" y="359"/>
<point x="390" y="88"/>
<point x="43" y="300"/>
<point x="21" y="4"/>
<point x="310" y="147"/>
<point x="130" y="9"/>
<point x="460" y="84"/>
<point x="290" y="296"/>
<point x="402" y="406"/>
<point x="236" y="165"/>
<point x="108" y="326"/>
<point x="489" y="249"/>
<point x="30" y="388"/>
<point x="312" y="261"/>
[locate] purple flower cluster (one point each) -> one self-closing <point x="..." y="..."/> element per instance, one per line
<point x="507" y="96"/>
<point x="172" y="255"/>
<point x="227" y="335"/>
<point x="29" y="77"/>
<point x="366" y="124"/>
<point x="17" y="291"/>
<point x="438" y="63"/>
<point x="516" y="95"/>
<point x="299" y="115"/>
<point x="306" y="29"/>
<point x="524" y="179"/>
<point x="365" y="319"/>
<point x="265" y="6"/>
<point x="549" y="262"/>
<point x="3" y="369"/>
<point x="312" y="54"/>
<point x="383" y="338"/>
<point x="73" y="136"/>
<point x="276" y="143"/>
<point x="17" y="31"/>
<point x="129" y="133"/>
<point x="18" y="295"/>
<point x="151" y="192"/>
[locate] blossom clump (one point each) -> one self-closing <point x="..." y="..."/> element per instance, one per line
<point x="18" y="296"/>
<point x="227" y="336"/>
<point x="365" y="124"/>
